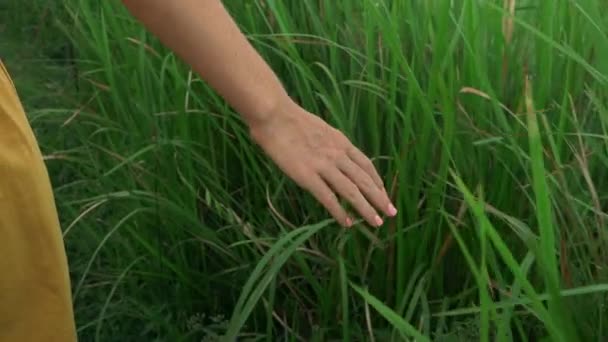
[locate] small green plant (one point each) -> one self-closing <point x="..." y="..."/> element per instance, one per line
<point x="487" y="119"/>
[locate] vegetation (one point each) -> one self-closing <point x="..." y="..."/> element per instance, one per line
<point x="488" y="120"/>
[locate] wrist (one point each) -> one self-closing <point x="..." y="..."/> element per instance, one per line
<point x="280" y="113"/>
<point x="268" y="109"/>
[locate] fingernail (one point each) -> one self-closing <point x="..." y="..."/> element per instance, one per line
<point x="378" y="220"/>
<point x="392" y="211"/>
<point x="349" y="222"/>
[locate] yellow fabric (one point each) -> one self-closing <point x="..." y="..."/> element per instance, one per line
<point x="35" y="293"/>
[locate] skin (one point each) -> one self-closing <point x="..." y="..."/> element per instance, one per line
<point x="315" y="155"/>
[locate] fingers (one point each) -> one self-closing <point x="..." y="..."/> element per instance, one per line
<point x="354" y="178"/>
<point x="323" y="193"/>
<point x="349" y="191"/>
<point x="363" y="162"/>
<point x="370" y="189"/>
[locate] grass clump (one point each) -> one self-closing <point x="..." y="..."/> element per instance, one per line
<point x="487" y="120"/>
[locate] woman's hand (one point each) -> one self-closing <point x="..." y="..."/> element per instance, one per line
<point x="315" y="155"/>
<point x="323" y="161"/>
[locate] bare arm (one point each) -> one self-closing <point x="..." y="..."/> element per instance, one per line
<point x="315" y="155"/>
<point x="205" y="36"/>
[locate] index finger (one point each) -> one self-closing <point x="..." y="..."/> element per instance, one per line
<point x="361" y="159"/>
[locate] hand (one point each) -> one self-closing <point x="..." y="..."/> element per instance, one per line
<point x="316" y="156"/>
<point x="323" y="161"/>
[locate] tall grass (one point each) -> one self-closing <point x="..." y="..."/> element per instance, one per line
<point x="487" y="120"/>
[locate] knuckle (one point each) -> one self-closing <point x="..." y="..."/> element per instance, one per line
<point x="334" y="155"/>
<point x="324" y="167"/>
<point x="370" y="166"/>
<point x="368" y="184"/>
<point x="330" y="198"/>
<point x="376" y="178"/>
<point x="306" y="182"/>
<point x="352" y="193"/>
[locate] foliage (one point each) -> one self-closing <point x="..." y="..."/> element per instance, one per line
<point x="486" y="118"/>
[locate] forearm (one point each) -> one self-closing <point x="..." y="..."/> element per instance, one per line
<point x="314" y="154"/>
<point x="204" y="35"/>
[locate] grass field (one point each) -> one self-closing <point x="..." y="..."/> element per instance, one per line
<point x="488" y="120"/>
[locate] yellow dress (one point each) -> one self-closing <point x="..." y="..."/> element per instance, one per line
<point x="35" y="293"/>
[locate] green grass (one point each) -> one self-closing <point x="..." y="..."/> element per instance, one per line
<point x="492" y="145"/>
